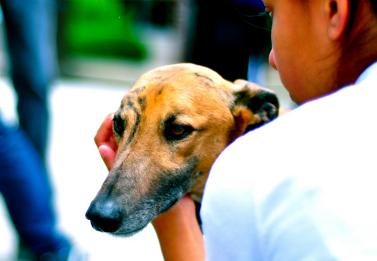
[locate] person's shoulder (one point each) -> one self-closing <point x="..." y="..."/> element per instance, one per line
<point x="313" y="124"/>
<point x="369" y="76"/>
<point x="301" y="133"/>
<point x="284" y="129"/>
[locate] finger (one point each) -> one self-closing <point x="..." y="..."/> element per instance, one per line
<point x="108" y="155"/>
<point x="112" y="143"/>
<point x="105" y="131"/>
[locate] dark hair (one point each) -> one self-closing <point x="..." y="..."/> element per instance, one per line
<point x="374" y="6"/>
<point x="355" y="5"/>
<point x="354" y="45"/>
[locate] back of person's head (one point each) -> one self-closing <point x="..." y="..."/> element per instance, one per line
<point x="359" y="41"/>
<point x="357" y="5"/>
<point x="374" y="6"/>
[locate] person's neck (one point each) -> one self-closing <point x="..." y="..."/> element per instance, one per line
<point x="362" y="49"/>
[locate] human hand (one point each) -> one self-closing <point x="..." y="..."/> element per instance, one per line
<point x="105" y="141"/>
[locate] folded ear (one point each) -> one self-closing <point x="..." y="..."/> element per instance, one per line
<point x="252" y="107"/>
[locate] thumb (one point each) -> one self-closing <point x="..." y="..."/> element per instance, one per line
<point x="107" y="154"/>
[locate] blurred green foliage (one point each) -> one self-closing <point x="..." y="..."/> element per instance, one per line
<point x="101" y="28"/>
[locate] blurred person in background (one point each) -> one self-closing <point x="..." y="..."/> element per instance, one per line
<point x="229" y="36"/>
<point x="24" y="181"/>
<point x="26" y="190"/>
<point x="304" y="186"/>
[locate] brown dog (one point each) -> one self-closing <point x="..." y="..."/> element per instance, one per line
<point x="170" y="128"/>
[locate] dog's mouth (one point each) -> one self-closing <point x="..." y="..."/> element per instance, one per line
<point x="103" y="220"/>
<point x="127" y="231"/>
<point x="122" y="214"/>
<point x="142" y="217"/>
<point x="106" y="216"/>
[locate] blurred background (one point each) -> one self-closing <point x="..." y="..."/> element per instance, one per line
<point x="103" y="46"/>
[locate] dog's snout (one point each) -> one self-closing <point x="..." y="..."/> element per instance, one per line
<point x="104" y="215"/>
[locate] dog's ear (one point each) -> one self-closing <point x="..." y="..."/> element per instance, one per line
<point x="252" y="107"/>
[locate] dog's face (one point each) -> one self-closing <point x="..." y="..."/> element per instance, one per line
<point x="170" y="128"/>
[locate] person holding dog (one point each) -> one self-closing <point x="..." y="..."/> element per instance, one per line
<point x="302" y="186"/>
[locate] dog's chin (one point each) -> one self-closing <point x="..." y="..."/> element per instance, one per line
<point x="168" y="206"/>
<point x="139" y="221"/>
<point x="127" y="232"/>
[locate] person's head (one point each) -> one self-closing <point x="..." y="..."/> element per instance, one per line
<point x="321" y="45"/>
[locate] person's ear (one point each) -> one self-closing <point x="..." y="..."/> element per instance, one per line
<point x="337" y="12"/>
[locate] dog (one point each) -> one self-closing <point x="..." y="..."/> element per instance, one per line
<point x="170" y="128"/>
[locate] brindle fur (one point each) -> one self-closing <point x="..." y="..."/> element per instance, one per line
<point x="152" y="170"/>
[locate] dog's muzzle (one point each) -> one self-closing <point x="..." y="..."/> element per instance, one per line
<point x="104" y="215"/>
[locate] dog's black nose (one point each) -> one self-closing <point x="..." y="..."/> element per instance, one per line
<point x="104" y="215"/>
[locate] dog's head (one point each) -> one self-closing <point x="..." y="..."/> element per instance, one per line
<point x="170" y="128"/>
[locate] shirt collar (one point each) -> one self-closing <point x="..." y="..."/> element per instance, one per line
<point x="372" y="69"/>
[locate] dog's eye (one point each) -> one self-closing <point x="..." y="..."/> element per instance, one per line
<point x="176" y="131"/>
<point x="118" y="124"/>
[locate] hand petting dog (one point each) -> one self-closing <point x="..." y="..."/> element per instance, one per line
<point x="105" y="141"/>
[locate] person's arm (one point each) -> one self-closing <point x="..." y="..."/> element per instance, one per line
<point x="178" y="232"/>
<point x="177" y="229"/>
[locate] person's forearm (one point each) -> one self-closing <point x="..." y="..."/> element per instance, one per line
<point x="179" y="233"/>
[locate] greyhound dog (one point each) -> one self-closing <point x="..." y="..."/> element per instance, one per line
<point x="170" y="128"/>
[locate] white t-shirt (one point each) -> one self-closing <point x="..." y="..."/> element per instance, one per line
<point x="303" y="187"/>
